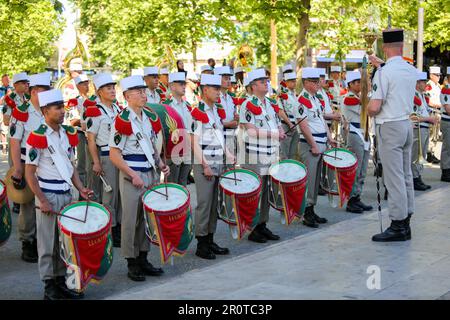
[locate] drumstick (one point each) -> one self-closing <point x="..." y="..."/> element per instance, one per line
<point x="61" y="215"/>
<point x="328" y="155"/>
<point x="234" y="173"/>
<point x="160" y="193"/>
<point x="165" y="184"/>
<point x="295" y="125"/>
<point x="86" y="211"/>
<point x="229" y="178"/>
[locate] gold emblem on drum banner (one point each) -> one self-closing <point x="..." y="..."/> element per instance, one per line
<point x="173" y="128"/>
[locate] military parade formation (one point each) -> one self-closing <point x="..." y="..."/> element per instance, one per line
<point x="89" y="172"/>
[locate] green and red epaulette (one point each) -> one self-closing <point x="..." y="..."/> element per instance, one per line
<point x="331" y="84"/>
<point x="71" y="103"/>
<point x="330" y="96"/>
<point x="321" y="100"/>
<point x="252" y="106"/>
<point x="116" y="102"/>
<point x="72" y="134"/>
<point x="274" y="105"/>
<point x="123" y="123"/>
<point x="92" y="112"/>
<point x="446" y="89"/>
<point x="304" y="100"/>
<point x="428" y="87"/>
<point x="9" y="100"/>
<point x="283" y="84"/>
<point x="283" y="95"/>
<point x="221" y="110"/>
<point x="154" y="118"/>
<point x="417" y="100"/>
<point x="238" y="100"/>
<point x="90" y="102"/>
<point x="21" y="112"/>
<point x="232" y="94"/>
<point x="188" y="105"/>
<point x="351" y="100"/>
<point x="343" y="92"/>
<point x="199" y="114"/>
<point x="37" y="138"/>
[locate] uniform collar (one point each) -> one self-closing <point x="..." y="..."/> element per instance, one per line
<point x="50" y="130"/>
<point x="394" y="59"/>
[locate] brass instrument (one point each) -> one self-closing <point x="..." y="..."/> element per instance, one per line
<point x="246" y="57"/>
<point x="168" y="60"/>
<point x="420" y="160"/>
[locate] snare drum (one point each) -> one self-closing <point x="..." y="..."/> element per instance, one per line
<point x="240" y="199"/>
<point x="288" y="188"/>
<point x="5" y="215"/>
<point x="86" y="247"/>
<point x="168" y="219"/>
<point x="340" y="171"/>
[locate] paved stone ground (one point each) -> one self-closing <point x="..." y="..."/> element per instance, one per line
<point x="306" y="252"/>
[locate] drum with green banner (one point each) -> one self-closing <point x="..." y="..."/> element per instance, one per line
<point x="5" y="215"/>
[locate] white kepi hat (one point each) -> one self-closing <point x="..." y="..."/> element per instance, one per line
<point x="233" y="79"/>
<point x="50" y="97"/>
<point x="246" y="82"/>
<point x="223" y="71"/>
<point x="103" y="79"/>
<point x="238" y="69"/>
<point x="76" y="67"/>
<point x="421" y="76"/>
<point x="206" y="67"/>
<point x="177" y="77"/>
<point x="335" y="69"/>
<point x="192" y="76"/>
<point x="290" y="76"/>
<point x="137" y="72"/>
<point x="163" y="71"/>
<point x="132" y="82"/>
<point x="40" y="79"/>
<point x="310" y="73"/>
<point x="81" y="78"/>
<point x="151" y="71"/>
<point x="352" y="76"/>
<point x="287" y="67"/>
<point x="257" y="74"/>
<point x="322" y="72"/>
<point x="211" y="80"/>
<point x="23" y="76"/>
<point x="435" y="70"/>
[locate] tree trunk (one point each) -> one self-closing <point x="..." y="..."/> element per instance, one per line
<point x="303" y="22"/>
<point x="194" y="53"/>
<point x="273" y="54"/>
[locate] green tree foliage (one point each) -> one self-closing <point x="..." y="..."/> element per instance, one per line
<point x="28" y="30"/>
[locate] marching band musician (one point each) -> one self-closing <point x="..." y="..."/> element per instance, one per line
<point x="134" y="154"/>
<point x="433" y="91"/>
<point x="21" y="84"/>
<point x="99" y="121"/>
<point x="25" y="119"/>
<point x="163" y="87"/>
<point x="313" y="139"/>
<point x="336" y="85"/>
<point x="50" y="154"/>
<point x="261" y="134"/>
<point x="152" y="81"/>
<point x="209" y="152"/>
<point x="445" y="128"/>
<point x="351" y="108"/>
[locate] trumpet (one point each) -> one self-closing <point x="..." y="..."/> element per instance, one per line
<point x="420" y="159"/>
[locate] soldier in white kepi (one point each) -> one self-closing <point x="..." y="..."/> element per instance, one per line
<point x="391" y="104"/>
<point x="152" y="81"/>
<point x="21" y="84"/>
<point x="445" y="128"/>
<point x="209" y="153"/>
<point x="433" y="92"/>
<point x="25" y="119"/>
<point x="51" y="173"/>
<point x="134" y="154"/>
<point x="99" y="121"/>
<point x="180" y="164"/>
<point x="262" y="133"/>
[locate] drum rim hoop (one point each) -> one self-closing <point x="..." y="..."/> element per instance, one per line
<point x="162" y="185"/>
<point x="303" y="179"/>
<point x="341" y="168"/>
<point x="251" y="172"/>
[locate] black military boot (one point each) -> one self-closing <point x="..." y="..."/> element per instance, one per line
<point x="396" y="232"/>
<point x="309" y="219"/>
<point x="317" y="218"/>
<point x="203" y="249"/>
<point x="445" y="175"/>
<point x="147" y="268"/>
<point x="322" y="191"/>
<point x="408" y="227"/>
<point x="423" y="183"/>
<point x="135" y="272"/>
<point x="257" y="236"/>
<point x="51" y="291"/>
<point x="419" y="186"/>
<point x="269" y="235"/>
<point x="65" y="291"/>
<point x="215" y="248"/>
<point x="29" y="253"/>
<point x="352" y="206"/>
<point x="434" y="159"/>
<point x="116" y="235"/>
<point x="362" y="205"/>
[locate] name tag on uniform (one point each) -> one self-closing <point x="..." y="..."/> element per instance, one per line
<point x="51" y="150"/>
<point x="267" y="117"/>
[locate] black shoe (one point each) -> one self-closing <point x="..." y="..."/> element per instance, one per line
<point x="408" y="227"/>
<point x="147" y="268"/>
<point x="29" y="253"/>
<point x="362" y="205"/>
<point x="396" y="232"/>
<point x="65" y="291"/>
<point x="445" y="175"/>
<point x="419" y="186"/>
<point x="16" y="208"/>
<point x="352" y="206"/>
<point x="257" y="236"/>
<point x="116" y="236"/>
<point x="215" y="248"/>
<point x="51" y="291"/>
<point x="322" y="191"/>
<point x="203" y="249"/>
<point x="135" y="272"/>
<point x="191" y="178"/>
<point x="423" y="183"/>
<point x="269" y="235"/>
<point x="309" y="219"/>
<point x="435" y="160"/>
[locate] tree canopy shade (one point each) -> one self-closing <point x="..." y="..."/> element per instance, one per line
<point x="28" y="30"/>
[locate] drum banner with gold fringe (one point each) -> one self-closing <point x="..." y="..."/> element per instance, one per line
<point x="345" y="180"/>
<point x="87" y="256"/>
<point x="172" y="230"/>
<point x="5" y="216"/>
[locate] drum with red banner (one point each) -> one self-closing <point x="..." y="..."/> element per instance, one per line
<point x="86" y="243"/>
<point x="240" y="190"/>
<point x="168" y="219"/>
<point x="340" y="172"/>
<point x="288" y="188"/>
